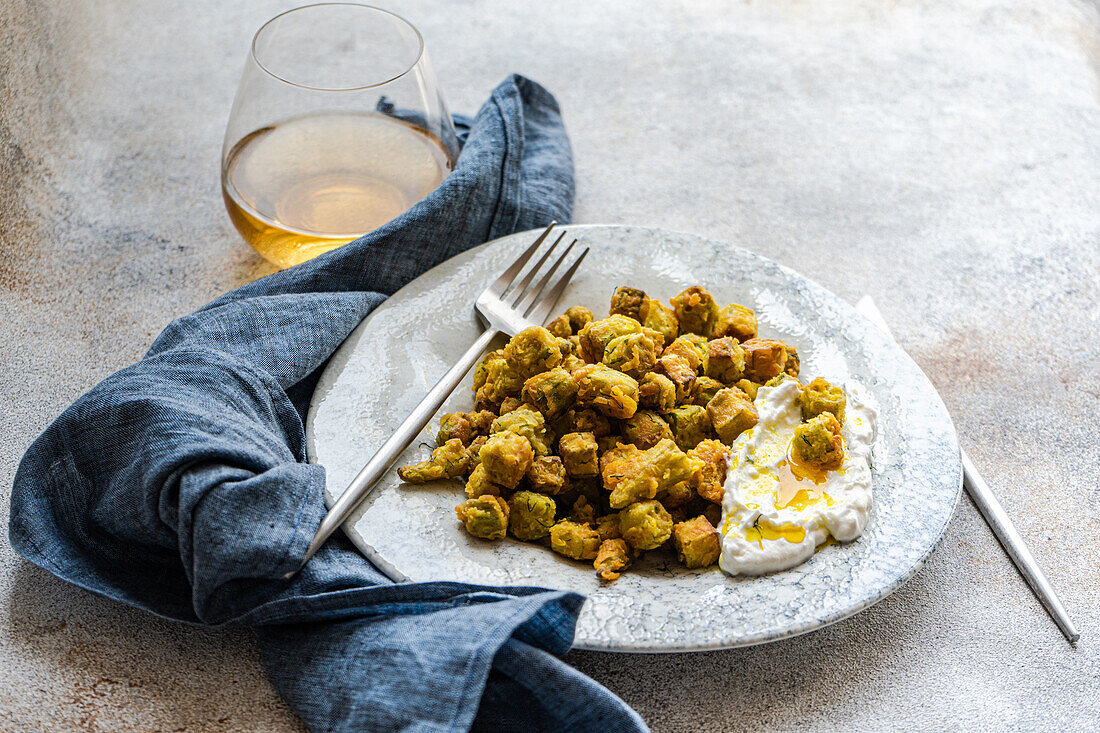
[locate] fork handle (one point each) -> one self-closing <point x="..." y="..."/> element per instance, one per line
<point x="360" y="487"/>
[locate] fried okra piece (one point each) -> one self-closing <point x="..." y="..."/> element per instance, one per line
<point x="704" y="390"/>
<point x="709" y="483"/>
<point x="731" y="413"/>
<point x="659" y="317"/>
<point x="454" y="425"/>
<point x="690" y="424"/>
<point x="632" y="475"/>
<point x="627" y="301"/>
<point x="579" y="317"/>
<point x="692" y="348"/>
<point x="819" y="396"/>
<point x="725" y="360"/>
<point x="575" y="540"/>
<point x="571" y="322"/>
<point x="697" y="542"/>
<point x="735" y="321"/>
<point x="463" y="425"/>
<point x="578" y="452"/>
<point x="533" y="350"/>
<point x="560" y="327"/>
<point x="794" y="364"/>
<point x="657" y="392"/>
<point x="495" y="380"/>
<point x="528" y="423"/>
<point x="551" y="393"/>
<point x="645" y="429"/>
<point x="607" y="390"/>
<point x="485" y="517"/>
<point x="547" y="475"/>
<point x="680" y="373"/>
<point x="612" y="559"/>
<point x="626" y="473"/>
<point x="530" y="515"/>
<point x="696" y="311"/>
<point x="448" y="461"/>
<point x="506" y="458"/>
<point x="595" y="337"/>
<point x="608" y="527"/>
<point x="818" y="443"/>
<point x="633" y="354"/>
<point x="748" y="387"/>
<point x="481" y="371"/>
<point x="764" y="359"/>
<point x="479" y="484"/>
<point x="646" y="525"/>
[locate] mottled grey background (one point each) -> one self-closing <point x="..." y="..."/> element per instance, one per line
<point x="944" y="157"/>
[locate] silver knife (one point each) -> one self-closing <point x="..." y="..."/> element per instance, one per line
<point x="996" y="516"/>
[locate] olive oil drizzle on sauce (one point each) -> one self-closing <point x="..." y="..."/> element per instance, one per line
<point x="798" y="489"/>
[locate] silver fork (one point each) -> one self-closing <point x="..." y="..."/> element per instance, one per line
<point x="509" y="305"/>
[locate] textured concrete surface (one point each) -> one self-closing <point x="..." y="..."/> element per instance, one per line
<point x="944" y="157"/>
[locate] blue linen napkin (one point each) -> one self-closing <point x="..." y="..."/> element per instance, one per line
<point x="180" y="484"/>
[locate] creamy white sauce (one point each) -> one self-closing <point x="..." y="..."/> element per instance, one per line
<point x="760" y="538"/>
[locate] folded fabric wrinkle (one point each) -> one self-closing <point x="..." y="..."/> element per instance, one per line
<point x="180" y="484"/>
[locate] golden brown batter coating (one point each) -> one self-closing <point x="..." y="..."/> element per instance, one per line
<point x="731" y="413"/>
<point x="627" y="301"/>
<point x="690" y="424"/>
<point x="530" y="515"/>
<point x="710" y="482"/>
<point x="646" y="525"/>
<point x="551" y="392"/>
<point x="818" y="443"/>
<point x="578" y="452"/>
<point x="819" y="396"/>
<point x="725" y="360"/>
<point x="696" y="311"/>
<point x="547" y="475"/>
<point x="506" y="458"/>
<point x="657" y="392"/>
<point x="764" y="359"/>
<point x="607" y="390"/>
<point x="448" y="461"/>
<point x="697" y="542"/>
<point x="736" y="321"/>
<point x="575" y="540"/>
<point x="645" y="429"/>
<point x="612" y="559"/>
<point x="485" y="517"/>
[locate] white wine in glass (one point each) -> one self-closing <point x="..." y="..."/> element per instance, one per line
<point x="323" y="147"/>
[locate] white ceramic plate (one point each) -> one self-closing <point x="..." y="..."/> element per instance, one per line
<point x="410" y="532"/>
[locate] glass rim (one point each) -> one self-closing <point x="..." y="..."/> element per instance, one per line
<point x="419" y="53"/>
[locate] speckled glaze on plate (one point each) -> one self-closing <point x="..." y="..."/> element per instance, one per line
<point x="410" y="532"/>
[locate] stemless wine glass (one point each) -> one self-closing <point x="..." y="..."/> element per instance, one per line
<point x="338" y="127"/>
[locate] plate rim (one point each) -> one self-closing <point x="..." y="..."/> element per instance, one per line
<point x="762" y="637"/>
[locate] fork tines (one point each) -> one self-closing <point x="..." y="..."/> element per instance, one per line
<point x="535" y="301"/>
